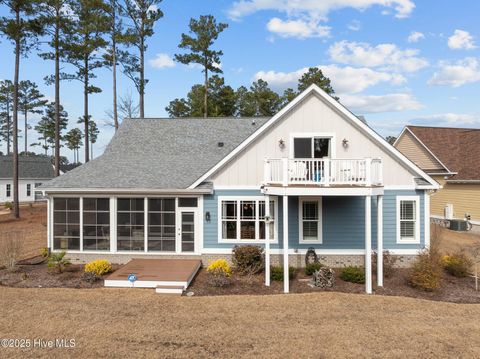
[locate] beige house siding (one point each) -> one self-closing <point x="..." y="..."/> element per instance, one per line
<point x="416" y="152"/>
<point x="465" y="198"/>
<point x="315" y="117"/>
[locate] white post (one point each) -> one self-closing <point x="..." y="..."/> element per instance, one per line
<point x="267" y="174"/>
<point x="285" y="245"/>
<point x="368" y="171"/>
<point x="368" y="244"/>
<point x="267" y="241"/>
<point x="49" y="223"/>
<point x="326" y="171"/>
<point x="145" y="224"/>
<point x="427" y="219"/>
<point x="80" y="201"/>
<point x="113" y="224"/>
<point x="285" y="171"/>
<point x="380" y="241"/>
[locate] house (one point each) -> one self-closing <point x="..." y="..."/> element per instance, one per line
<point x="451" y="156"/>
<point x="314" y="175"/>
<point x="32" y="172"/>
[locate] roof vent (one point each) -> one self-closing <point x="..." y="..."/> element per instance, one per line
<point x="220" y="144"/>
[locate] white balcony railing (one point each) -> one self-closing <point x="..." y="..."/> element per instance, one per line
<point x="323" y="172"/>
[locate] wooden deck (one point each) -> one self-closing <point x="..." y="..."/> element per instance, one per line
<point x="153" y="273"/>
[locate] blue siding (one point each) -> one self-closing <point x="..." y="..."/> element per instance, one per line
<point x="343" y="221"/>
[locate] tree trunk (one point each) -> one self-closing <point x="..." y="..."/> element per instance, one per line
<point x="142" y="78"/>
<point x="114" y="65"/>
<point x="85" y="110"/>
<point x="8" y="122"/>
<point x="205" y="98"/>
<point x="57" y="94"/>
<point x="26" y="129"/>
<point x="16" y="207"/>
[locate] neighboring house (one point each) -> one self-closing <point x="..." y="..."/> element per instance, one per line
<point x="452" y="157"/>
<point x="313" y="175"/>
<point x="32" y="172"/>
<point x="68" y="167"/>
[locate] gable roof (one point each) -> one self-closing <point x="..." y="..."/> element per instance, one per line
<point x="458" y="149"/>
<point x="159" y="154"/>
<point x="343" y="111"/>
<point x="29" y="167"/>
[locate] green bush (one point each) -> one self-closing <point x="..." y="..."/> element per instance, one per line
<point x="247" y="259"/>
<point x="58" y="261"/>
<point x="276" y="273"/>
<point x="353" y="274"/>
<point x="457" y="264"/>
<point x="312" y="267"/>
<point x="9" y="205"/>
<point x="426" y="272"/>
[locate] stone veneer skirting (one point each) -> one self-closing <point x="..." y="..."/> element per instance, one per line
<point x="295" y="260"/>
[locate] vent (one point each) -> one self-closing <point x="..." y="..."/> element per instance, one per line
<point x="220" y="144"/>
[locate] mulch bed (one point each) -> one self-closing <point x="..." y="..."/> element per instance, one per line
<point x="40" y="276"/>
<point x="456" y="290"/>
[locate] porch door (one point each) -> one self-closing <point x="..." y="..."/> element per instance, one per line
<point x="186" y="231"/>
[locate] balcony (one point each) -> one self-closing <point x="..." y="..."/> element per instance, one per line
<point x="325" y="172"/>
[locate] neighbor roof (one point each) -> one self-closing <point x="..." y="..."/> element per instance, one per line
<point x="29" y="167"/>
<point x="457" y="148"/>
<point x="160" y="153"/>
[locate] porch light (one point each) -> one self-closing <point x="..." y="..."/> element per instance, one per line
<point x="268" y="219"/>
<point x="345" y="143"/>
<point x="207" y="216"/>
<point x="281" y="143"/>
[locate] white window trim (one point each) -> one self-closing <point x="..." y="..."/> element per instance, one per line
<point x="300" y="220"/>
<point x="237" y="240"/>
<point x="329" y="135"/>
<point x="415" y="240"/>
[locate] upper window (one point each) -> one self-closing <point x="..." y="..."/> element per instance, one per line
<point x="312" y="147"/>
<point x="29" y="189"/>
<point x="408" y="224"/>
<point x="244" y="219"/>
<point x="96" y="224"/>
<point x="310" y="220"/>
<point x="8" y="190"/>
<point x="66" y="223"/>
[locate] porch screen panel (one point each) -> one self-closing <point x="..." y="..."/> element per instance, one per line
<point x="66" y="223"/>
<point x="408" y="219"/>
<point x="310" y="219"/>
<point x="130" y="224"/>
<point x="161" y="224"/>
<point x="96" y="224"/>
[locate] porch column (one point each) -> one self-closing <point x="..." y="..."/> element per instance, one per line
<point x="285" y="245"/>
<point x="368" y="244"/>
<point x="380" y="241"/>
<point x="267" y="242"/>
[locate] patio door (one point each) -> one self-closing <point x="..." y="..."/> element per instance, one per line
<point x="186" y="231"/>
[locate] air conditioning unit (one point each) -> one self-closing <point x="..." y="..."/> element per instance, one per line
<point x="458" y="225"/>
<point x="448" y="211"/>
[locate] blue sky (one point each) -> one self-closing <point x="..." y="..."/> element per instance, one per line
<point x="396" y="62"/>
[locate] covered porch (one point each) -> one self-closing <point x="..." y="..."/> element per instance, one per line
<point x="327" y="219"/>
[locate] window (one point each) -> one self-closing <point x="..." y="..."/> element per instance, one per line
<point x="130" y="224"/>
<point x="29" y="189"/>
<point x="66" y="223"/>
<point x="312" y="147"/>
<point x="96" y="224"/>
<point x="161" y="224"/>
<point x="244" y="219"/>
<point x="8" y="190"/>
<point x="188" y="202"/>
<point x="408" y="226"/>
<point x="310" y="217"/>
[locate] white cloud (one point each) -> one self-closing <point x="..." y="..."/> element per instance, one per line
<point x="415" y="36"/>
<point x="461" y="40"/>
<point x="355" y="25"/>
<point x="318" y="9"/>
<point x="458" y="73"/>
<point x="449" y="119"/>
<point x="344" y="79"/>
<point x="161" y="61"/>
<point x="382" y="103"/>
<point x="386" y="56"/>
<point x="297" y="28"/>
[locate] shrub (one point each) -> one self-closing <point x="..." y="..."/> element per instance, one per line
<point x="457" y="264"/>
<point x="99" y="267"/>
<point x="276" y="273"/>
<point x="8" y="205"/>
<point x="45" y="252"/>
<point x="218" y="273"/>
<point x="353" y="274"/>
<point x="324" y="278"/>
<point x="58" y="261"/>
<point x="312" y="267"/>
<point x="247" y="259"/>
<point x="426" y="271"/>
<point x="10" y="249"/>
<point x="388" y="263"/>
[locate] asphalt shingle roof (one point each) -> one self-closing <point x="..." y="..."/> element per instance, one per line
<point x="28" y="167"/>
<point x="160" y="153"/>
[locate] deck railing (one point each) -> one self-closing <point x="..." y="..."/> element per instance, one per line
<point x="323" y="172"/>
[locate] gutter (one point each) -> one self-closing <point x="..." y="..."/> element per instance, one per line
<point x="464" y="181"/>
<point x="124" y="191"/>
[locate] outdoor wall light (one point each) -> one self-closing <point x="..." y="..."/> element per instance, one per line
<point x="345" y="143"/>
<point x="267" y="219"/>
<point x="281" y="143"/>
<point x="207" y="216"/>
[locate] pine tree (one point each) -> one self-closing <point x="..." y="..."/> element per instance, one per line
<point x="73" y="139"/>
<point x="46" y="127"/>
<point x="6" y="100"/>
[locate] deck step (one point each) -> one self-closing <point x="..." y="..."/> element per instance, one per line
<point x="169" y="289"/>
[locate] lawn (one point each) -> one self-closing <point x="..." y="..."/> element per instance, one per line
<point x="140" y="323"/>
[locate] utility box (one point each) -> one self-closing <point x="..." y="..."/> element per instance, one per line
<point x="458" y="225"/>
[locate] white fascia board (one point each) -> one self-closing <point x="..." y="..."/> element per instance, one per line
<point x="340" y="108"/>
<point x="126" y="191"/>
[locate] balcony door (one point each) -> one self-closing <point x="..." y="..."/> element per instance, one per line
<point x="312" y="147"/>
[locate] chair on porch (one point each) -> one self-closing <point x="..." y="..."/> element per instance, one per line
<point x="298" y="171"/>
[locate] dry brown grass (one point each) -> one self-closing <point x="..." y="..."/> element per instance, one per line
<point x="117" y="323"/>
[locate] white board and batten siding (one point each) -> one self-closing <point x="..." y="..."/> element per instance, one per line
<point x="314" y="117"/>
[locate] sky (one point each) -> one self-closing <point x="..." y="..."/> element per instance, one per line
<point x="396" y="62"/>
